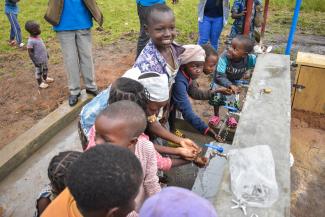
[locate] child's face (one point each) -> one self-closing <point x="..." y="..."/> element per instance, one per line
<point x="153" y="108"/>
<point x="161" y="29"/>
<point x="237" y="50"/>
<point x="194" y="69"/>
<point x="113" y="131"/>
<point x="210" y="64"/>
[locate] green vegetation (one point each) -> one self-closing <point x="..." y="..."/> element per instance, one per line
<point x="121" y="20"/>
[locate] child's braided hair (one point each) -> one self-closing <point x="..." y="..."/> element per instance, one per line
<point x="128" y="89"/>
<point x="58" y="167"/>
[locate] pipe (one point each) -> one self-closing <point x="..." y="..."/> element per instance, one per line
<point x="293" y="27"/>
<point x="248" y="15"/>
<point x="265" y="13"/>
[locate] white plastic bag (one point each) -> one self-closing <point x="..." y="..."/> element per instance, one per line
<point x="252" y="173"/>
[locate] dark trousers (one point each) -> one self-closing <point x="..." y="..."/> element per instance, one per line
<point x="143" y="37"/>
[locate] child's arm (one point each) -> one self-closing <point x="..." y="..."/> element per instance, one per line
<point x="31" y="55"/>
<point x="151" y="180"/>
<point x="198" y="94"/>
<point x="41" y="204"/>
<point x="181" y="102"/>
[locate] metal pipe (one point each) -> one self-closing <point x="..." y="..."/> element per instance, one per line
<point x="247" y="26"/>
<point x="293" y="26"/>
<point x="265" y="13"/>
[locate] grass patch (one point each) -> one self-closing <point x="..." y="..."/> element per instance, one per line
<point x="121" y="21"/>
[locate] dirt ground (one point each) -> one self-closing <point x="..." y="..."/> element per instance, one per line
<point x="22" y="104"/>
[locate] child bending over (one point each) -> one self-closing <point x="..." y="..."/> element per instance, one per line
<point x="238" y="13"/>
<point x="192" y="67"/>
<point x="232" y="66"/>
<point x="123" y="124"/>
<point x="56" y="172"/>
<point x="103" y="182"/>
<point x="38" y="54"/>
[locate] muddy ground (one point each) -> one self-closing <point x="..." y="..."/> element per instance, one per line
<point x="22" y="105"/>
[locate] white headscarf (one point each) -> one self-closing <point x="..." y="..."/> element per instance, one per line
<point x="155" y="83"/>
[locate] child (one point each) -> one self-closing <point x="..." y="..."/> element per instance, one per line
<point x="38" y="54"/>
<point x="122" y="124"/>
<point x="213" y="14"/>
<point x="57" y="171"/>
<point x="177" y="202"/>
<point x="161" y="54"/>
<point x="211" y="59"/>
<point x="238" y="13"/>
<point x="232" y="66"/>
<point x="192" y="66"/>
<point x="12" y="10"/>
<point x="103" y="182"/>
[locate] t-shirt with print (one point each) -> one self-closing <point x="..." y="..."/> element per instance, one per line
<point x="39" y="49"/>
<point x="228" y="70"/>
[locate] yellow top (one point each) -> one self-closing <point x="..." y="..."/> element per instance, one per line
<point x="63" y="205"/>
<point x="310" y="59"/>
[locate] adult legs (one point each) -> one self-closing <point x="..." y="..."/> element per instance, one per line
<point x="15" y="31"/>
<point x="143" y="37"/>
<point x="204" y="30"/>
<point x="71" y="59"/>
<point x="84" y="45"/>
<point x="216" y="29"/>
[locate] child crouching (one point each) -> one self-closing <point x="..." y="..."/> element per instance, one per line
<point x="38" y="54"/>
<point x="232" y="66"/>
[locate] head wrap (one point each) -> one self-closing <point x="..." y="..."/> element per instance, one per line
<point x="177" y="202"/>
<point x="192" y="53"/>
<point x="156" y="84"/>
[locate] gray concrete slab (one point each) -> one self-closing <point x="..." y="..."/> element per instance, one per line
<point x="20" y="188"/>
<point x="265" y="120"/>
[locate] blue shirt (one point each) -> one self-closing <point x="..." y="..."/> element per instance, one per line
<point x="90" y="111"/>
<point x="150" y="2"/>
<point x="180" y="100"/>
<point x="213" y="8"/>
<point x="75" y="16"/>
<point x="11" y="8"/>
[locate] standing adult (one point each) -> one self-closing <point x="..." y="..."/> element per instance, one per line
<point x="143" y="7"/>
<point x="12" y="10"/>
<point x="213" y="15"/>
<point x="72" y="21"/>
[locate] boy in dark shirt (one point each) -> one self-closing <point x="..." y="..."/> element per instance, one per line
<point x="38" y="54"/>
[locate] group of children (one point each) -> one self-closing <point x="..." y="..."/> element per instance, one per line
<point x="124" y="130"/>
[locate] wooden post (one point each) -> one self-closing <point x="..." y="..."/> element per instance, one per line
<point x="248" y="15"/>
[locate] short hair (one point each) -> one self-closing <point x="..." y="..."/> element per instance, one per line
<point x="30" y="26"/>
<point x="128" y="89"/>
<point x="129" y="112"/>
<point x="209" y="50"/>
<point x="104" y="177"/>
<point x="163" y="8"/>
<point x="58" y="167"/>
<point x="247" y="42"/>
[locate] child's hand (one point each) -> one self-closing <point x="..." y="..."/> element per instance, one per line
<point x="223" y="90"/>
<point x="187" y="143"/>
<point x="234" y="89"/>
<point x="243" y="13"/>
<point x="201" y="161"/>
<point x="187" y="153"/>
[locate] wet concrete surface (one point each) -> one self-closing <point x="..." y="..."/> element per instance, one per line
<point x="19" y="189"/>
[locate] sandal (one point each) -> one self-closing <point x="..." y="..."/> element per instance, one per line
<point x="232" y="122"/>
<point x="214" y="121"/>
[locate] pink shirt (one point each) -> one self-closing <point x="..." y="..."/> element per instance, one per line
<point x="163" y="163"/>
<point x="146" y="154"/>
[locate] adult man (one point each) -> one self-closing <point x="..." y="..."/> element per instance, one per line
<point x="72" y="21"/>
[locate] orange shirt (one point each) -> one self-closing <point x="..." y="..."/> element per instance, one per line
<point x="63" y="205"/>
